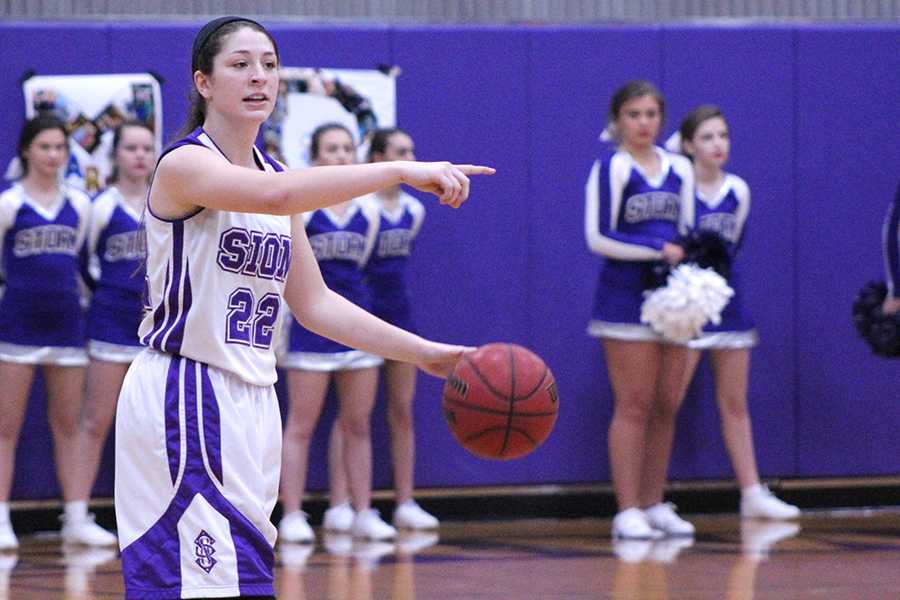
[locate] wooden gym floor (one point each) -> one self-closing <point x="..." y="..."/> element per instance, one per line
<point x="852" y="555"/>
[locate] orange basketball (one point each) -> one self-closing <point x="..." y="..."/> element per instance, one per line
<point x="500" y="402"/>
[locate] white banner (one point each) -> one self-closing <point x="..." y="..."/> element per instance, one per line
<point x="92" y="106"/>
<point x="361" y="100"/>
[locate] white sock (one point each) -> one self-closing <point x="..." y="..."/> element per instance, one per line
<point x="4" y="512"/>
<point x="75" y="510"/>
<point x="752" y="490"/>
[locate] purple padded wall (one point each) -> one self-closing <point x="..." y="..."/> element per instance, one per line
<point x="848" y="153"/>
<point x="470" y="271"/>
<point x="814" y="134"/>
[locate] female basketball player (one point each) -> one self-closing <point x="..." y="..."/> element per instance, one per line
<point x="637" y="199"/>
<point x="198" y="431"/>
<point x="400" y="216"/>
<point x="721" y="206"/>
<point x="116" y="254"/>
<point x="43" y="225"/>
<point x="891" y="244"/>
<point x="343" y="237"/>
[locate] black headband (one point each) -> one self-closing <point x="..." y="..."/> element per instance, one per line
<point x="208" y="30"/>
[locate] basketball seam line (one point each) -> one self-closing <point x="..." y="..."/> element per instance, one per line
<point x="493" y="390"/>
<point x="497" y="411"/>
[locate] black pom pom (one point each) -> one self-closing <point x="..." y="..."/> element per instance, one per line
<point x="708" y="250"/>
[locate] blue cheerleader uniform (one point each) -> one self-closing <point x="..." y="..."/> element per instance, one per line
<point x="726" y="215"/>
<point x="342" y="245"/>
<point x="42" y="319"/>
<point x="386" y="269"/>
<point x="116" y="249"/>
<point x="628" y="219"/>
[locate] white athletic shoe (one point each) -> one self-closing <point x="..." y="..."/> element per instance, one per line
<point x="369" y="525"/>
<point x="632" y="524"/>
<point x="8" y="540"/>
<point x="663" y="517"/>
<point x="761" y="503"/>
<point x="339" y="518"/>
<point x="410" y="515"/>
<point x="758" y="537"/>
<point x="295" y="529"/>
<point x="85" y="532"/>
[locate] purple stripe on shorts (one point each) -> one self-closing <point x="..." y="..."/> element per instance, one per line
<point x="194" y="460"/>
<point x="212" y="436"/>
<point x="173" y="429"/>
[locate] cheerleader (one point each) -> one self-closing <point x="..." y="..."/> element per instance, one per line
<point x="116" y="255"/>
<point x="401" y="217"/>
<point x="342" y="237"/>
<point x="637" y="200"/>
<point x="43" y="226"/>
<point x="721" y="206"/>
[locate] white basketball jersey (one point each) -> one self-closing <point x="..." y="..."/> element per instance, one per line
<point x="216" y="284"/>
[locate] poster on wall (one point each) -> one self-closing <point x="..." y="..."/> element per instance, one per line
<point x="360" y="99"/>
<point x="92" y="106"/>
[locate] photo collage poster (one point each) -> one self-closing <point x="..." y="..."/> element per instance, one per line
<point x="360" y="99"/>
<point x="91" y="107"/>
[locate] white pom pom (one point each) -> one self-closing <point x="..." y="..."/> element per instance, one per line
<point x="691" y="298"/>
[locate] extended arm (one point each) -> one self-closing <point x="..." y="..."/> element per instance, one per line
<point x="193" y="176"/>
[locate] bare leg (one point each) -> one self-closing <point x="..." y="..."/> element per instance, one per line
<point x="65" y="396"/>
<point x="731" y="368"/>
<point x="17" y="380"/>
<point x="338" y="488"/>
<point x="633" y="370"/>
<point x="661" y="426"/>
<point x="693" y="359"/>
<point x="356" y="392"/>
<point x="104" y="381"/>
<point x="400" y="382"/>
<point x="306" y="390"/>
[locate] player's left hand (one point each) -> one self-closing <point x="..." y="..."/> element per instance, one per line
<point x="440" y="359"/>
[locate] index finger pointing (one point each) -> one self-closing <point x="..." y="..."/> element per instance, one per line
<point x="476" y="169"/>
